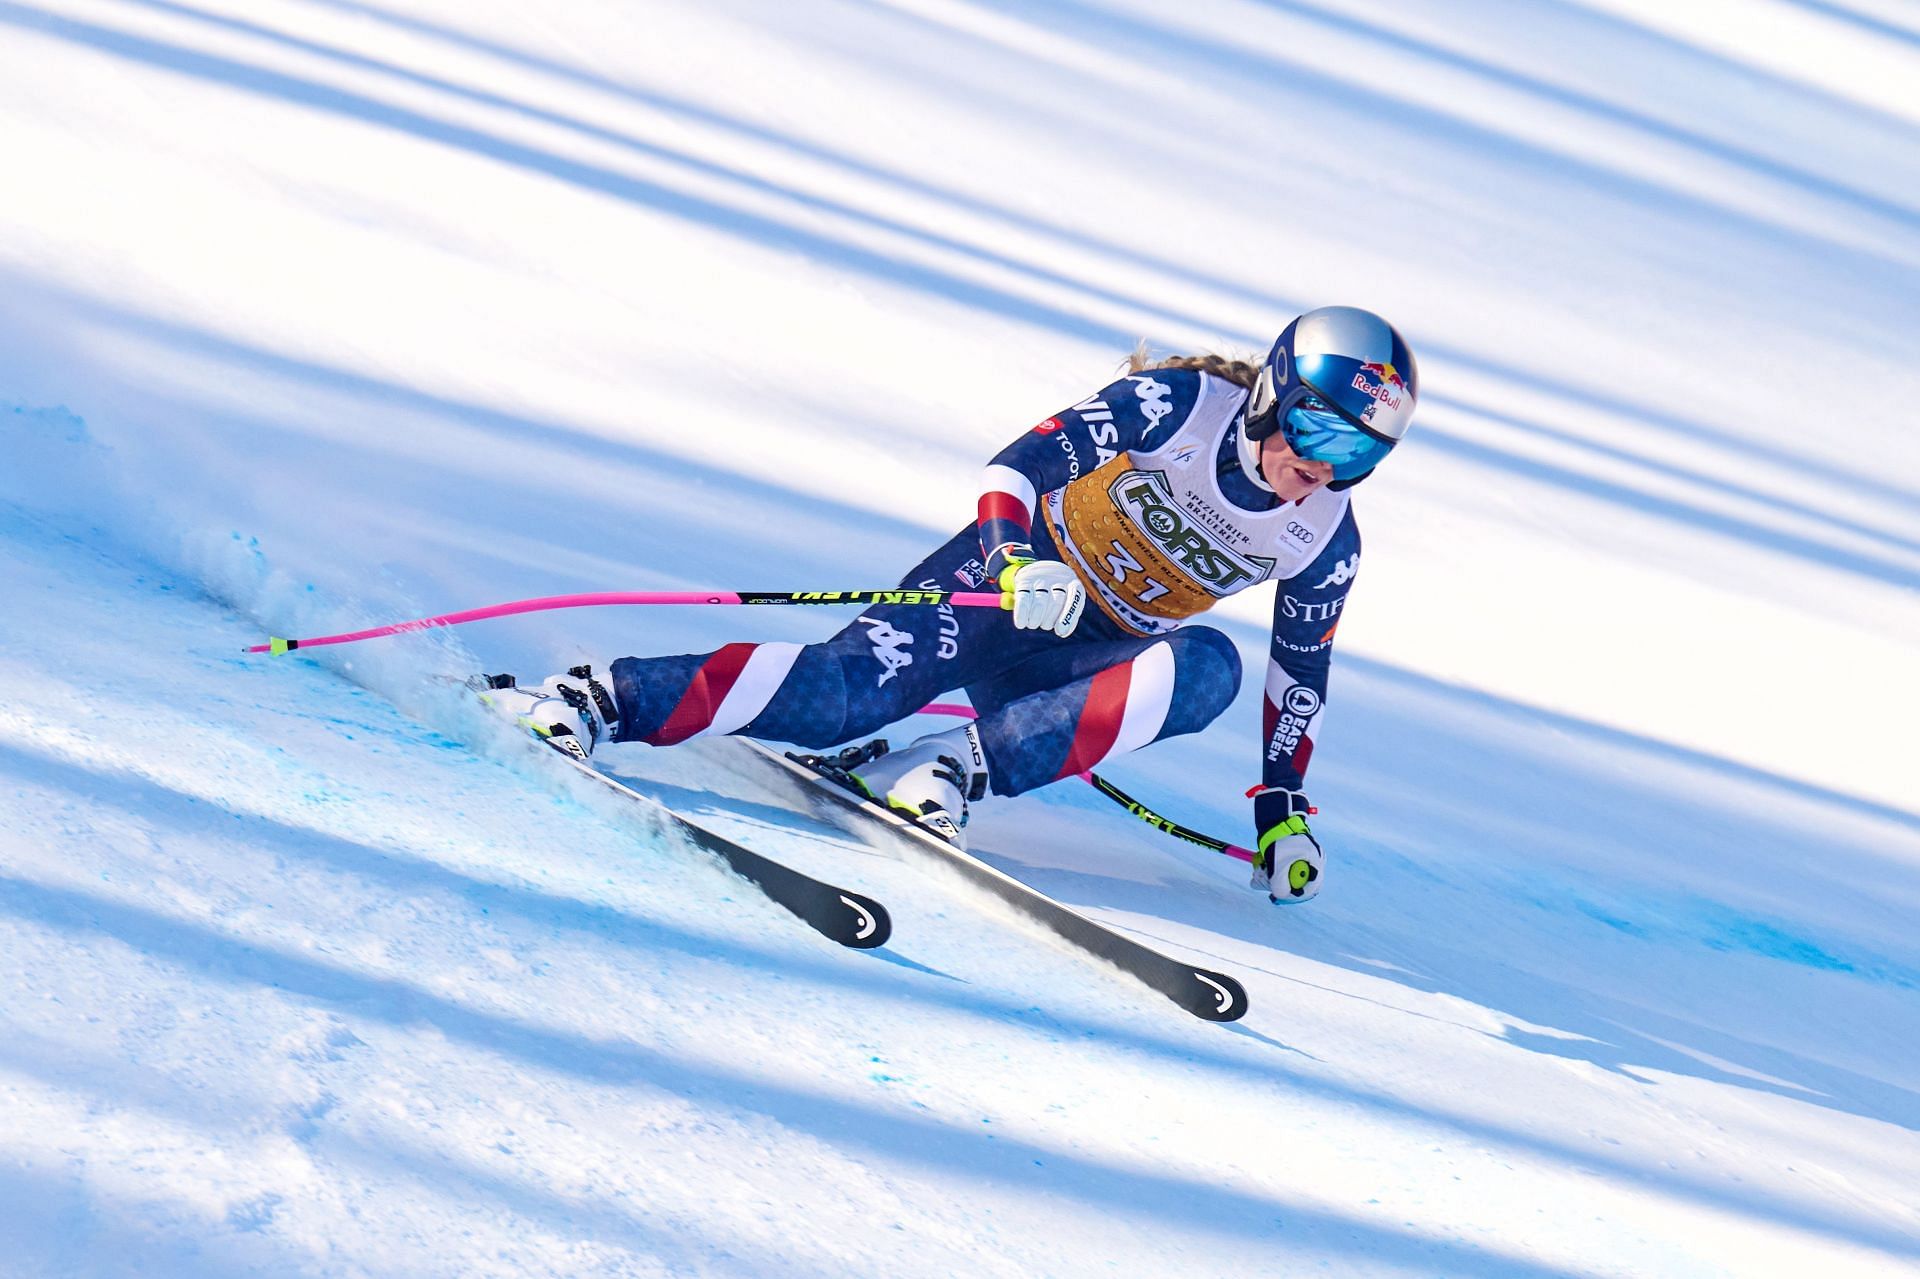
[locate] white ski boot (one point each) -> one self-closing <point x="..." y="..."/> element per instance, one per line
<point x="931" y="781"/>
<point x="573" y="712"/>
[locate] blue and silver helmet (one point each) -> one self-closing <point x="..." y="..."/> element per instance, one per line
<point x="1340" y="386"/>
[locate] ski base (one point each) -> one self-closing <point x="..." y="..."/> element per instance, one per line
<point x="1211" y="995"/>
<point x="850" y="918"/>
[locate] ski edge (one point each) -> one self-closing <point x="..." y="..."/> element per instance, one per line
<point x="1203" y="992"/>
<point x="839" y="914"/>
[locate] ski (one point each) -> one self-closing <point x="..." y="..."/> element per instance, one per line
<point x="850" y="918"/>
<point x="1214" y="996"/>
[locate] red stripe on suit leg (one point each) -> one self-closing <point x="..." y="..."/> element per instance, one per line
<point x="709" y="688"/>
<point x="1099" y="719"/>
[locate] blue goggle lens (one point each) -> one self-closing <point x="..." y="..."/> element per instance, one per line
<point x="1315" y="432"/>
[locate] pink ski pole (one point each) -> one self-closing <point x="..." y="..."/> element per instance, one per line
<point x="965" y="599"/>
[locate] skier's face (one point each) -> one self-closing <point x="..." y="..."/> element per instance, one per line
<point x="1292" y="477"/>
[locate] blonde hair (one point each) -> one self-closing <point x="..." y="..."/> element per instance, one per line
<point x="1239" y="372"/>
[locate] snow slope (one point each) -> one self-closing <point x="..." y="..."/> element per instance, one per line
<point x="325" y="313"/>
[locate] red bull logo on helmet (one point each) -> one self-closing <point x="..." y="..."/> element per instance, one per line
<point x="1381" y="381"/>
<point x="1386" y="373"/>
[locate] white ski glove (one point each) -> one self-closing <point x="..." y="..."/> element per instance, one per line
<point x="1045" y="595"/>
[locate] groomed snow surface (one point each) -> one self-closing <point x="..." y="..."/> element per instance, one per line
<point x="324" y="313"/>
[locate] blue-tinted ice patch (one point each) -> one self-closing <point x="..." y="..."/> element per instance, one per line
<point x="54" y="423"/>
<point x="1721" y="928"/>
<point x="1691" y="920"/>
<point x="1696" y="921"/>
<point x="1761" y="938"/>
<point x="1610" y="919"/>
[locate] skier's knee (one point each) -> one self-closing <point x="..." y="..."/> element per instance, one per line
<point x="1206" y="677"/>
<point x="809" y="705"/>
<point x="833" y="703"/>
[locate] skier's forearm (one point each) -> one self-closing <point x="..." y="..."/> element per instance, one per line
<point x="1291" y="714"/>
<point x="1306" y="613"/>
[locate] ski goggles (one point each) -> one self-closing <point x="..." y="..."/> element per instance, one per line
<point x="1316" y="432"/>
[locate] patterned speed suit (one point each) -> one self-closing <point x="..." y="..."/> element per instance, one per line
<point x="1140" y="489"/>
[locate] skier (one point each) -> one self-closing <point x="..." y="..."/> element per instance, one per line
<point x="1182" y="483"/>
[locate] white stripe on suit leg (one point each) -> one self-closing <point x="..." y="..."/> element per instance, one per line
<point x="1149" y="697"/>
<point x="759" y="680"/>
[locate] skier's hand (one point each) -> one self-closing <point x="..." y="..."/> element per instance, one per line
<point x="1045" y="595"/>
<point x="1288" y="862"/>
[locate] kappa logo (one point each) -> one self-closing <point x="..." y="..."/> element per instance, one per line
<point x="1343" y="572"/>
<point x="889" y="646"/>
<point x="1153" y="398"/>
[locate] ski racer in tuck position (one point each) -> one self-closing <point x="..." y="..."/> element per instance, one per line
<point x="1178" y="485"/>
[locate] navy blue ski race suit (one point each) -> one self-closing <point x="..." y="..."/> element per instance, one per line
<point x="1140" y="489"/>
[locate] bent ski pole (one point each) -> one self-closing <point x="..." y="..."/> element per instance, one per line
<point x="965" y="599"/>
<point x="1119" y="796"/>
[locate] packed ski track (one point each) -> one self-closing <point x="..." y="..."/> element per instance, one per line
<point x="327" y="314"/>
